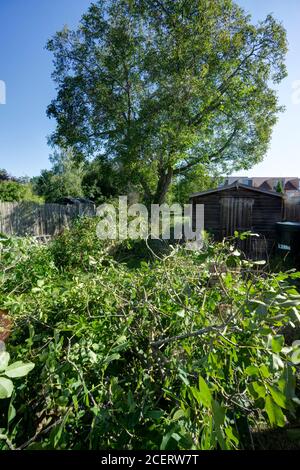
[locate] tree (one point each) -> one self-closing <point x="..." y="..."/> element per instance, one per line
<point x="64" y="179"/>
<point x="5" y="176"/>
<point x="102" y="180"/>
<point x="279" y="187"/>
<point x="14" y="189"/>
<point x="11" y="191"/>
<point x="194" y="180"/>
<point x="162" y="86"/>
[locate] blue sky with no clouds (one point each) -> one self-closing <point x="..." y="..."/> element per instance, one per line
<point x="26" y="68"/>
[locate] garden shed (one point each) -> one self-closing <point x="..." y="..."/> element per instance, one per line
<point x="241" y="208"/>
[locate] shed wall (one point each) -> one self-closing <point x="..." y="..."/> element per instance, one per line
<point x="266" y="210"/>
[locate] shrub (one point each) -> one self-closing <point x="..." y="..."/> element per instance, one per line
<point x="185" y="353"/>
<point x="79" y="247"/>
<point x="11" y="191"/>
<point x="23" y="263"/>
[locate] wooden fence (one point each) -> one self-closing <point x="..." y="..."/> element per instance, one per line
<point x="292" y="209"/>
<point x="26" y="218"/>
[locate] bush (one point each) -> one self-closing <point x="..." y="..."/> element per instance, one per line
<point x="14" y="191"/>
<point x="79" y="247"/>
<point x="23" y="263"/>
<point x="11" y="191"/>
<point x="185" y="353"/>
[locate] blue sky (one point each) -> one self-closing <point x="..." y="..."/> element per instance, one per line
<point x="26" y="68"/>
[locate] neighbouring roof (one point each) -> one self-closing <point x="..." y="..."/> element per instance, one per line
<point x="266" y="183"/>
<point x="266" y="186"/>
<point x="291" y="185"/>
<point x="237" y="186"/>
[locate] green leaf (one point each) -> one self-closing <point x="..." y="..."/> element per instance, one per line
<point x="56" y="434"/>
<point x="296" y="356"/>
<point x="165" y="440"/>
<point x="11" y="413"/>
<point x="92" y="356"/>
<point x="112" y="357"/>
<point x="122" y="339"/>
<point x="6" y="388"/>
<point x="277" y="362"/>
<point x="264" y="371"/>
<point x="277" y="343"/>
<point x="155" y="414"/>
<point x="40" y="282"/>
<point x="176" y="436"/>
<point x="296" y="313"/>
<point x="204" y="393"/>
<point x="180" y="313"/>
<point x="4" y="360"/>
<point x="277" y="396"/>
<point x="218" y="413"/>
<point x="252" y="370"/>
<point x="18" y="369"/>
<point x="274" y="412"/>
<point x="287" y="382"/>
<point x="259" y="389"/>
<point x="236" y="253"/>
<point x="178" y="414"/>
<point x="230" y="434"/>
<point x="196" y="394"/>
<point x="183" y="375"/>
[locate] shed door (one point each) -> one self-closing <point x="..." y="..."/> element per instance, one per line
<point x="236" y="215"/>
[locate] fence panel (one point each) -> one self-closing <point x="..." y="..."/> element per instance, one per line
<point x="27" y="218"/>
<point x="292" y="209"/>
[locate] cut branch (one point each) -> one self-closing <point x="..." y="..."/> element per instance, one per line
<point x="201" y="332"/>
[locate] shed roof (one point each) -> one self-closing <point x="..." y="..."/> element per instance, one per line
<point x="237" y="185"/>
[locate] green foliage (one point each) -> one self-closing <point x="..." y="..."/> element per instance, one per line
<point x="279" y="187"/>
<point x="12" y="191"/>
<point x="160" y="87"/>
<point x="11" y="371"/>
<point x="195" y="180"/>
<point x="79" y="247"/>
<point x="103" y="180"/>
<point x="181" y="353"/>
<point x="16" y="191"/>
<point x="23" y="264"/>
<point x="64" y="179"/>
<point x="7" y="373"/>
<point x="30" y="195"/>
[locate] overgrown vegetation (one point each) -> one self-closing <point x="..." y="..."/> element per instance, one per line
<point x="185" y="352"/>
<point x="136" y="345"/>
<point x="16" y="189"/>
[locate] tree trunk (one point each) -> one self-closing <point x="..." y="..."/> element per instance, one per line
<point x="163" y="185"/>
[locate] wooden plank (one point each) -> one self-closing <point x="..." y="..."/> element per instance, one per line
<point x="26" y="218"/>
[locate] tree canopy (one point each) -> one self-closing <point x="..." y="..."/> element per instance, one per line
<point x="160" y="87"/>
<point x="64" y="179"/>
